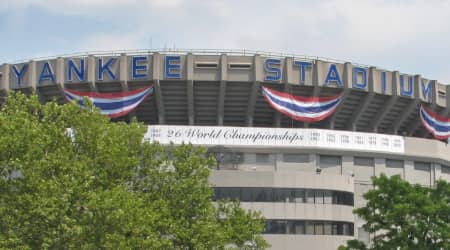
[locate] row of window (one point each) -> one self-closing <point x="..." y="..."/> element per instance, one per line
<point x="310" y="227"/>
<point x="325" y="160"/>
<point x="333" y="160"/>
<point x="288" y="195"/>
<point x="337" y="160"/>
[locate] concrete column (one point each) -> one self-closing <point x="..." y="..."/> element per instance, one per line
<point x="4" y="84"/>
<point x="447" y="89"/>
<point x="223" y="67"/>
<point x="347" y="79"/>
<point x="190" y="100"/>
<point x="190" y="87"/>
<point x="395" y="83"/>
<point x="92" y="75"/>
<point x="314" y="160"/>
<point x="222" y="88"/>
<point x="410" y="108"/>
<point x="59" y="72"/>
<point x="258" y="74"/>
<point x="123" y="78"/>
<point x="32" y="76"/>
<point x="288" y="75"/>
<point x="189" y="66"/>
<point x="347" y="165"/>
<point x="408" y="170"/>
<point x="317" y="66"/>
<point x="380" y="166"/>
<point x="435" y="93"/>
<point x="317" y="86"/>
<point x="257" y="79"/>
<point x="124" y="74"/>
<point x="437" y="173"/>
<point x="221" y="103"/>
<point x="252" y="102"/>
<point x="157" y="86"/>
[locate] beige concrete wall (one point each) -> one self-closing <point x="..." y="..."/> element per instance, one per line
<point x="303" y="175"/>
<point x="307" y="242"/>
<point x="302" y="211"/>
<point x="292" y="211"/>
<point x="236" y="178"/>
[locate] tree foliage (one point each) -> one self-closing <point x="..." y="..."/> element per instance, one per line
<point x="405" y="216"/>
<point x="98" y="185"/>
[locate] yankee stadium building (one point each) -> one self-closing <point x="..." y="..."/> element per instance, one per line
<point x="297" y="138"/>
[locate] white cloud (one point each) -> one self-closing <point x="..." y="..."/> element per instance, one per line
<point x="109" y="42"/>
<point x="90" y="7"/>
<point x="412" y="36"/>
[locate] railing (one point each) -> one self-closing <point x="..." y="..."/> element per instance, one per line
<point x="236" y="52"/>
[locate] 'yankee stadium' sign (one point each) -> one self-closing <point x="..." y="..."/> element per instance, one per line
<point x="275" y="137"/>
<point x="151" y="66"/>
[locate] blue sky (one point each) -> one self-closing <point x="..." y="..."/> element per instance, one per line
<point x="406" y="35"/>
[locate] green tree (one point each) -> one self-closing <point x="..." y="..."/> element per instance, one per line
<point x="98" y="185"/>
<point x="405" y="216"/>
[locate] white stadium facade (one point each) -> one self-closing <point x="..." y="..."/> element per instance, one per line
<point x="297" y="138"/>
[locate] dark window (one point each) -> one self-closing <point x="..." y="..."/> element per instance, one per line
<point x="347" y="229"/>
<point x="327" y="228"/>
<point x="318" y="228"/>
<point x="248" y="194"/>
<point x="230" y="157"/>
<point x="290" y="227"/>
<point x="239" y="65"/>
<point x="297" y="227"/>
<point x="275" y="227"/>
<point x="318" y="197"/>
<point x="343" y="198"/>
<point x="262" y="158"/>
<point x="298" y="158"/>
<point x="335" y="197"/>
<point x="287" y="195"/>
<point x="232" y="193"/>
<point x="299" y="196"/>
<point x="329" y="160"/>
<point x="263" y="195"/>
<point x="206" y="65"/>
<point x="311" y="227"/>
<point x="390" y="163"/>
<point x="344" y="228"/>
<point x="334" y="229"/>
<point x="340" y="228"/>
<point x="363" y="161"/>
<point x="281" y="195"/>
<point x="422" y="166"/>
<point x="328" y="197"/>
<point x="445" y="169"/>
<point x="310" y="196"/>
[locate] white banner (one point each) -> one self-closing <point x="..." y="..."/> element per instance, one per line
<point x="275" y="137"/>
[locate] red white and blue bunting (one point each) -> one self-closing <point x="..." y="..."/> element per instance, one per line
<point x="307" y="109"/>
<point x="111" y="104"/>
<point x="437" y="125"/>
